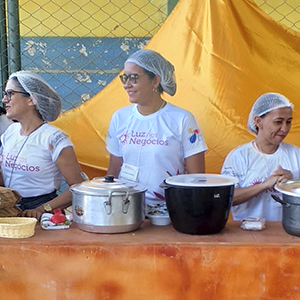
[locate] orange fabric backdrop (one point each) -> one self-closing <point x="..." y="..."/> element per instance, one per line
<point x="226" y="53"/>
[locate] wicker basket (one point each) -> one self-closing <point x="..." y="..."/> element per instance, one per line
<point x="17" y="228"/>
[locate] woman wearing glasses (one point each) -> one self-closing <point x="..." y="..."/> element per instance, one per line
<point x="152" y="138"/>
<point x="35" y="155"/>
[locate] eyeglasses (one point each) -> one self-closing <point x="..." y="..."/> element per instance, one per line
<point x="133" y="78"/>
<point x="9" y="93"/>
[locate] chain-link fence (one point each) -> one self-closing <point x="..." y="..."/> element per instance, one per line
<point x="286" y="12"/>
<point x="79" y="47"/>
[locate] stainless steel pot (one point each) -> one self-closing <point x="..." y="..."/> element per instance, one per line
<point x="199" y="203"/>
<point x="290" y="205"/>
<point x="108" y="205"/>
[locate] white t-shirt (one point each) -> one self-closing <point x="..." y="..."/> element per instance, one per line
<point x="4" y="123"/>
<point x="156" y="144"/>
<point x="252" y="167"/>
<point x="28" y="163"/>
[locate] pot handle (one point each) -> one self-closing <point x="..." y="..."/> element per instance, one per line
<point x="107" y="204"/>
<point x="125" y="204"/>
<point x="163" y="185"/>
<point x="277" y="199"/>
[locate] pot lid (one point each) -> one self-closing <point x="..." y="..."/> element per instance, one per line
<point x="107" y="184"/>
<point x="201" y="180"/>
<point x="291" y="188"/>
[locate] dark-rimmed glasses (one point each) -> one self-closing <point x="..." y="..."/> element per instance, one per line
<point x="133" y="78"/>
<point x="9" y="93"/>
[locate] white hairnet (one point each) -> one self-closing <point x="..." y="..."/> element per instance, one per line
<point x="265" y="104"/>
<point x="158" y="65"/>
<point x="46" y="100"/>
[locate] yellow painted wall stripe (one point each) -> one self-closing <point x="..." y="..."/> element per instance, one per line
<point x="101" y="18"/>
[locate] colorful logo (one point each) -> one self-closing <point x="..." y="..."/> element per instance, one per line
<point x="194" y="134"/>
<point x="123" y="138"/>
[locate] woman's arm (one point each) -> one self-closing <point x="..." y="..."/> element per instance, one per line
<point x="68" y="165"/>
<point x="115" y="164"/>
<point x="245" y="194"/>
<point x="195" y="163"/>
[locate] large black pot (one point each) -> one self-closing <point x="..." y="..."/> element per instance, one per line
<point x="290" y="206"/>
<point x="199" y="203"/>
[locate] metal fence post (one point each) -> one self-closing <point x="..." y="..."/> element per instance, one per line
<point x="3" y="46"/>
<point x="14" y="45"/>
<point x="171" y="5"/>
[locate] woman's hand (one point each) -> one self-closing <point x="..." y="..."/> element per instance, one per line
<point x="270" y="183"/>
<point x="33" y="213"/>
<point x="283" y="175"/>
<point x="279" y="176"/>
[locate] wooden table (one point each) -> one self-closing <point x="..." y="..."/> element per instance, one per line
<point x="155" y="263"/>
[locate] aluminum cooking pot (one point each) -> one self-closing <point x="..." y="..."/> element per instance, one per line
<point x="290" y="205"/>
<point x="199" y="203"/>
<point x="108" y="205"/>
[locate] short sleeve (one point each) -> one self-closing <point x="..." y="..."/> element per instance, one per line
<point x="58" y="142"/>
<point x="112" y="140"/>
<point x="192" y="139"/>
<point x="234" y="166"/>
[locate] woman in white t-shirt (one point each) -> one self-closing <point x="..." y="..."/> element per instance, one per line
<point x="35" y="156"/>
<point x="264" y="162"/>
<point x="4" y="121"/>
<point x="152" y="138"/>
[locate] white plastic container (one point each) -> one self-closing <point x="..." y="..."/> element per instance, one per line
<point x="159" y="220"/>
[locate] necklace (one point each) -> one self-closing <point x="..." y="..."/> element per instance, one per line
<point x="21" y="148"/>
<point x="36" y="128"/>
<point x="268" y="166"/>
<point x="257" y="147"/>
<point x="162" y="106"/>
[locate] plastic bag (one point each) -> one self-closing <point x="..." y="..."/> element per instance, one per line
<point x="253" y="223"/>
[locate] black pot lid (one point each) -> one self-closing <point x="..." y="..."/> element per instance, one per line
<point x="201" y="180"/>
<point x="291" y="188"/>
<point x="105" y="185"/>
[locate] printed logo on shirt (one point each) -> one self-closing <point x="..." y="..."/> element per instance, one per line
<point x="142" y="138"/>
<point x="58" y="137"/>
<point x="260" y="181"/>
<point x="257" y="181"/>
<point x="18" y="164"/>
<point x="194" y="135"/>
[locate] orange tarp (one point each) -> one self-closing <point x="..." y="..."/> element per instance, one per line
<point x="226" y="54"/>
